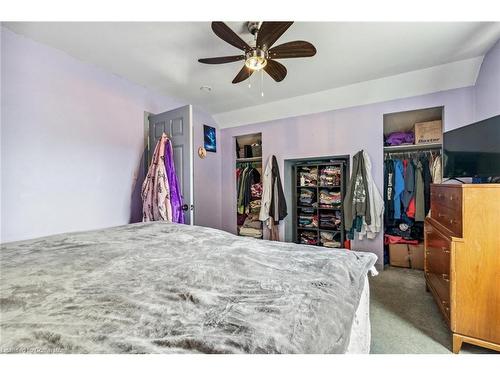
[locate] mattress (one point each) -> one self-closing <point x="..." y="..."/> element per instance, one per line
<point x="360" y="337"/>
<point x="170" y="288"/>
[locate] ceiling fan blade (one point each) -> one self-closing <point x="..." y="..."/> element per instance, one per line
<point x="297" y="48"/>
<point x="243" y="74"/>
<point x="269" y="32"/>
<point x="221" y="60"/>
<point x="276" y="70"/>
<point x="226" y="34"/>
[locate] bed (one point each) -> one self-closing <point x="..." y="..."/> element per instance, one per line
<point x="169" y="288"/>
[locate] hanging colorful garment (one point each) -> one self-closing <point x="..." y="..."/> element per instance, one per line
<point x="155" y="189"/>
<point x="173" y="184"/>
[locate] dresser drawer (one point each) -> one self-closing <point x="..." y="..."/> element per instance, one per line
<point x="437" y="252"/>
<point x="448" y="196"/>
<point x="448" y="217"/>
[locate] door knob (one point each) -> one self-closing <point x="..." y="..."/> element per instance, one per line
<point x="185" y="207"/>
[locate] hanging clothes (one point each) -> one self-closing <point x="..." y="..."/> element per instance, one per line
<point x="419" y="192"/>
<point x="273" y="204"/>
<point x="389" y="181"/>
<point x="155" y="188"/>
<point x="399" y="187"/>
<point x="436" y="170"/>
<point x="363" y="204"/>
<point x="173" y="183"/>
<point x="409" y="191"/>
<point x="356" y="198"/>
<point x="426" y="174"/>
<point x="375" y="203"/>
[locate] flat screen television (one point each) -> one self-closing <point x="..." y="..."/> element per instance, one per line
<point x="473" y="150"/>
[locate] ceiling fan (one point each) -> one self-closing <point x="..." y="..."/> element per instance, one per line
<point x="263" y="55"/>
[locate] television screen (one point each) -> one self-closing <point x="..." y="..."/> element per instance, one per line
<point x="473" y="150"/>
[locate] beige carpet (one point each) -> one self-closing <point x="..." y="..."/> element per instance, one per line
<point x="405" y="318"/>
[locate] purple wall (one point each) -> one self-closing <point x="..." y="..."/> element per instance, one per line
<point x="338" y="132"/>
<point x="207" y="175"/>
<point x="487" y="88"/>
<point x="72" y="140"/>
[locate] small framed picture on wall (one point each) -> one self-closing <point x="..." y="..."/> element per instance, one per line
<point x="209" y="140"/>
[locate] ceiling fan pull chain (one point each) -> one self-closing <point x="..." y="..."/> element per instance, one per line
<point x="261" y="82"/>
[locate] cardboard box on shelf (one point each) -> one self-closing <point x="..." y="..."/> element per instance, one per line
<point x="399" y="255"/>
<point x="429" y="132"/>
<point x="416" y="256"/>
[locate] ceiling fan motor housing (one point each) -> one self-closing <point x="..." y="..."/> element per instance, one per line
<point x="254" y="26"/>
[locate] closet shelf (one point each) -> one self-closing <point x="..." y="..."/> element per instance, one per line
<point x="257" y="158"/>
<point x="429" y="146"/>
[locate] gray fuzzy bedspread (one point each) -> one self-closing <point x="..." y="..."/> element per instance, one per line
<point x="169" y="288"/>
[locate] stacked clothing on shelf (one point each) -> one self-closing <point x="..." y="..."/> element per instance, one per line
<point x="252" y="226"/>
<point x="329" y="198"/>
<point x="330" y="220"/>
<point x="255" y="206"/>
<point x="308" y="238"/>
<point x="306" y="197"/>
<point x="308" y="176"/>
<point x="256" y="191"/>
<point x="400" y="138"/>
<point x="327" y="239"/>
<point x="308" y="220"/>
<point x="330" y="176"/>
<point x="407" y="192"/>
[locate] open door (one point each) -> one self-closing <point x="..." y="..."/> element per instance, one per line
<point x="177" y="124"/>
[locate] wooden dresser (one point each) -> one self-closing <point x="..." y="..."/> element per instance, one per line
<point x="462" y="260"/>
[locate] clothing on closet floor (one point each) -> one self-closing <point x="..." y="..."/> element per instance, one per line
<point x="330" y="176"/>
<point x="308" y="176"/>
<point x="329" y="198"/>
<point x="155" y="188"/>
<point x="252" y="221"/>
<point x="308" y="238"/>
<point x="240" y="218"/>
<point x="250" y="232"/>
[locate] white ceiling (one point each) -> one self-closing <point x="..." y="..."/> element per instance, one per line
<point x="163" y="56"/>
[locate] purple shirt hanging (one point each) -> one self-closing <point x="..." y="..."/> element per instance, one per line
<point x="173" y="183"/>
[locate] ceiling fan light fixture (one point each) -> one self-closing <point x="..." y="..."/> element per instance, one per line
<point x="256" y="59"/>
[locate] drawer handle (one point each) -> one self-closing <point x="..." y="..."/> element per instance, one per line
<point x="440" y="215"/>
<point x="446" y="277"/>
<point x="440" y="195"/>
<point x="451" y="198"/>
<point x="445" y="250"/>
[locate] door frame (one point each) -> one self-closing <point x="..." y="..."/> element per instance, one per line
<point x="147" y="147"/>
